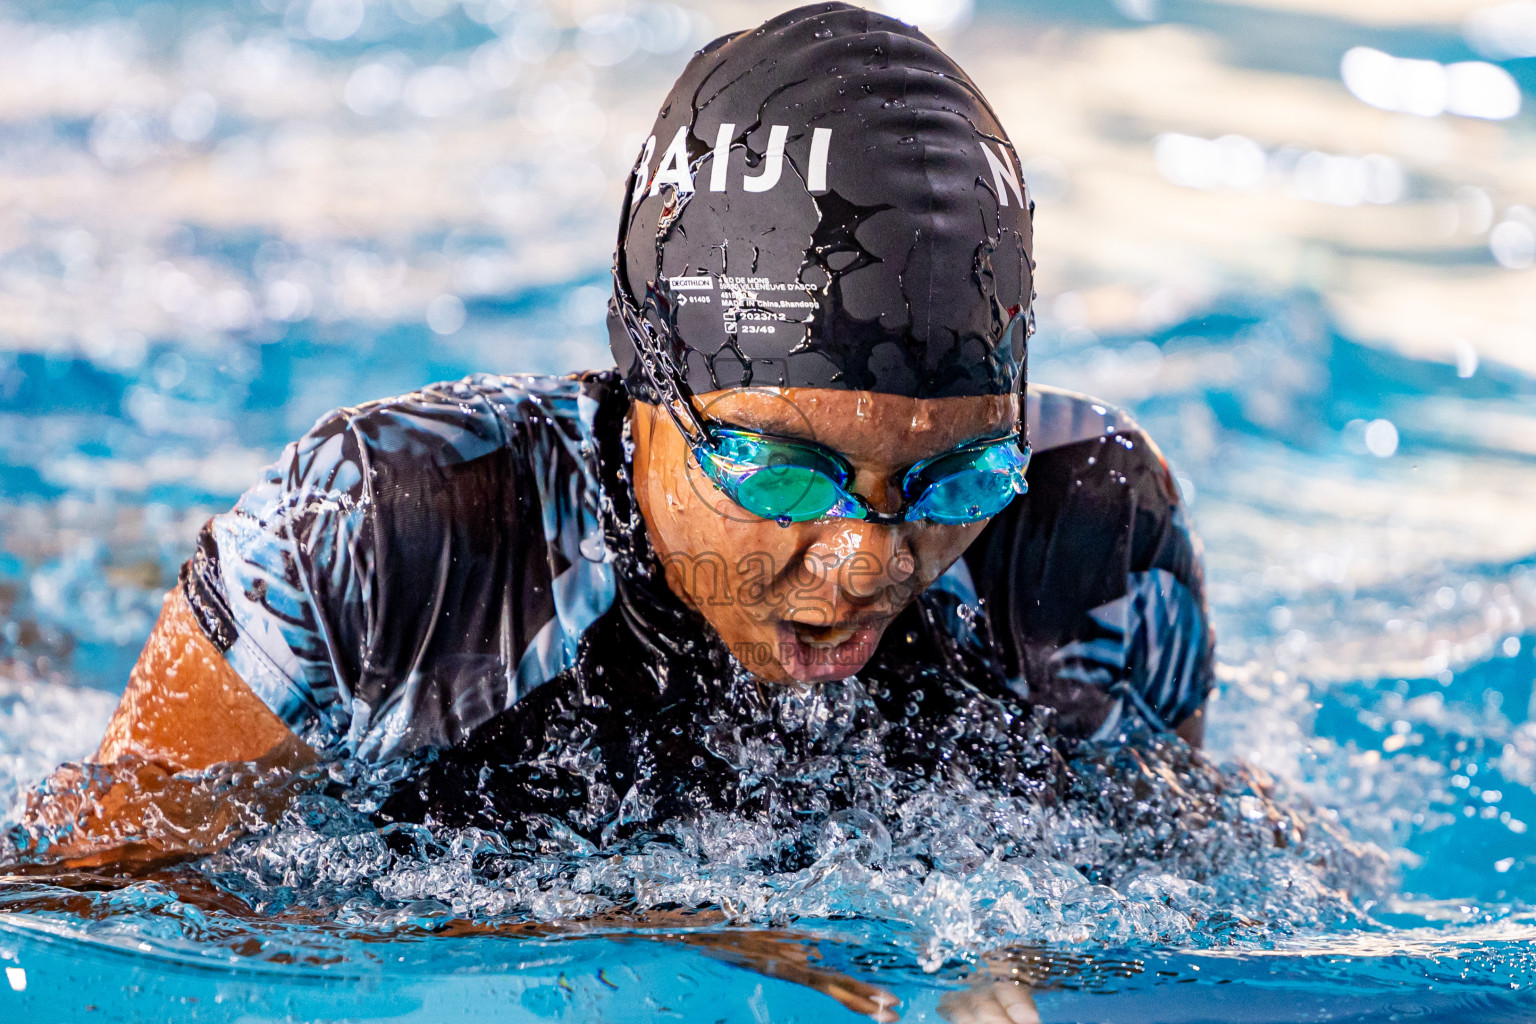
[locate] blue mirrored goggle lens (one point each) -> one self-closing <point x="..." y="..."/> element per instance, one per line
<point x="966" y="497"/>
<point x="970" y="485"/>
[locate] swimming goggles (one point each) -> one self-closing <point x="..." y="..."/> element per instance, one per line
<point x="792" y="481"/>
<point x="798" y="481"/>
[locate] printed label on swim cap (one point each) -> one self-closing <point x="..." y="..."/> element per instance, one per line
<point x="749" y="305"/>
<point x="675" y="170"/>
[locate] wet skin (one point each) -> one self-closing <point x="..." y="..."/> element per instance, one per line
<point x="184" y="710"/>
<point x="807" y="602"/>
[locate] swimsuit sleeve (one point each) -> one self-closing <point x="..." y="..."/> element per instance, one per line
<point x="280" y="583"/>
<point x="411" y="568"/>
<point x="1094" y="587"/>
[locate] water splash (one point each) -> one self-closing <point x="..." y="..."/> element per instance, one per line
<point x="1076" y="845"/>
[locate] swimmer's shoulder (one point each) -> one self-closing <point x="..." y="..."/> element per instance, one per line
<point x="1070" y="431"/>
<point x="1058" y="418"/>
<point x="460" y="421"/>
<point x="368" y="566"/>
<point x="1101" y="527"/>
<point x="468" y="457"/>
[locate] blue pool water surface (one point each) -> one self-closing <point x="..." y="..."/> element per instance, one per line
<point x="232" y="218"/>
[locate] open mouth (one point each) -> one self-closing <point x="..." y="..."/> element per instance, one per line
<point x="815" y="653"/>
<point x="824" y="636"/>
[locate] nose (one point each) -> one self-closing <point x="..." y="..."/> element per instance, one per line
<point x="861" y="566"/>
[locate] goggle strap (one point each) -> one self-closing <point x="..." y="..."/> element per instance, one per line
<point x="675" y="394"/>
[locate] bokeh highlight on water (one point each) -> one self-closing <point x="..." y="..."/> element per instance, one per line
<point x="1309" y="277"/>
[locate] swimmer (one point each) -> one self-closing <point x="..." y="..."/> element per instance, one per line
<point x="816" y="459"/>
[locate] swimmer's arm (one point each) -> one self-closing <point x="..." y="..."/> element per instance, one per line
<point x="999" y="992"/>
<point x="773" y="953"/>
<point x="185" y="710"/>
<point x="1192" y="729"/>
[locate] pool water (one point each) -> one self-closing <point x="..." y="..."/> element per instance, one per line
<point x="232" y="219"/>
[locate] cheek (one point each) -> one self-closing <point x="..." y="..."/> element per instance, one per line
<point x="704" y="539"/>
<point x="699" y="520"/>
<point x="937" y="547"/>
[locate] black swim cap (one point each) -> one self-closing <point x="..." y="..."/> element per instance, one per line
<point x="826" y="201"/>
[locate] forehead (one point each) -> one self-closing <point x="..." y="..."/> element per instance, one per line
<point x="865" y="425"/>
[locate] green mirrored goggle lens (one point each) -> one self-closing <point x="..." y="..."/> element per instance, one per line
<point x="798" y="493"/>
<point x="776" y="479"/>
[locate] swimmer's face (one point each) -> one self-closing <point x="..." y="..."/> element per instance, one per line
<point x="807" y="602"/>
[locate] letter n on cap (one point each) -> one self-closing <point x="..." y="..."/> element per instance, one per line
<point x="1004" y="176"/>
